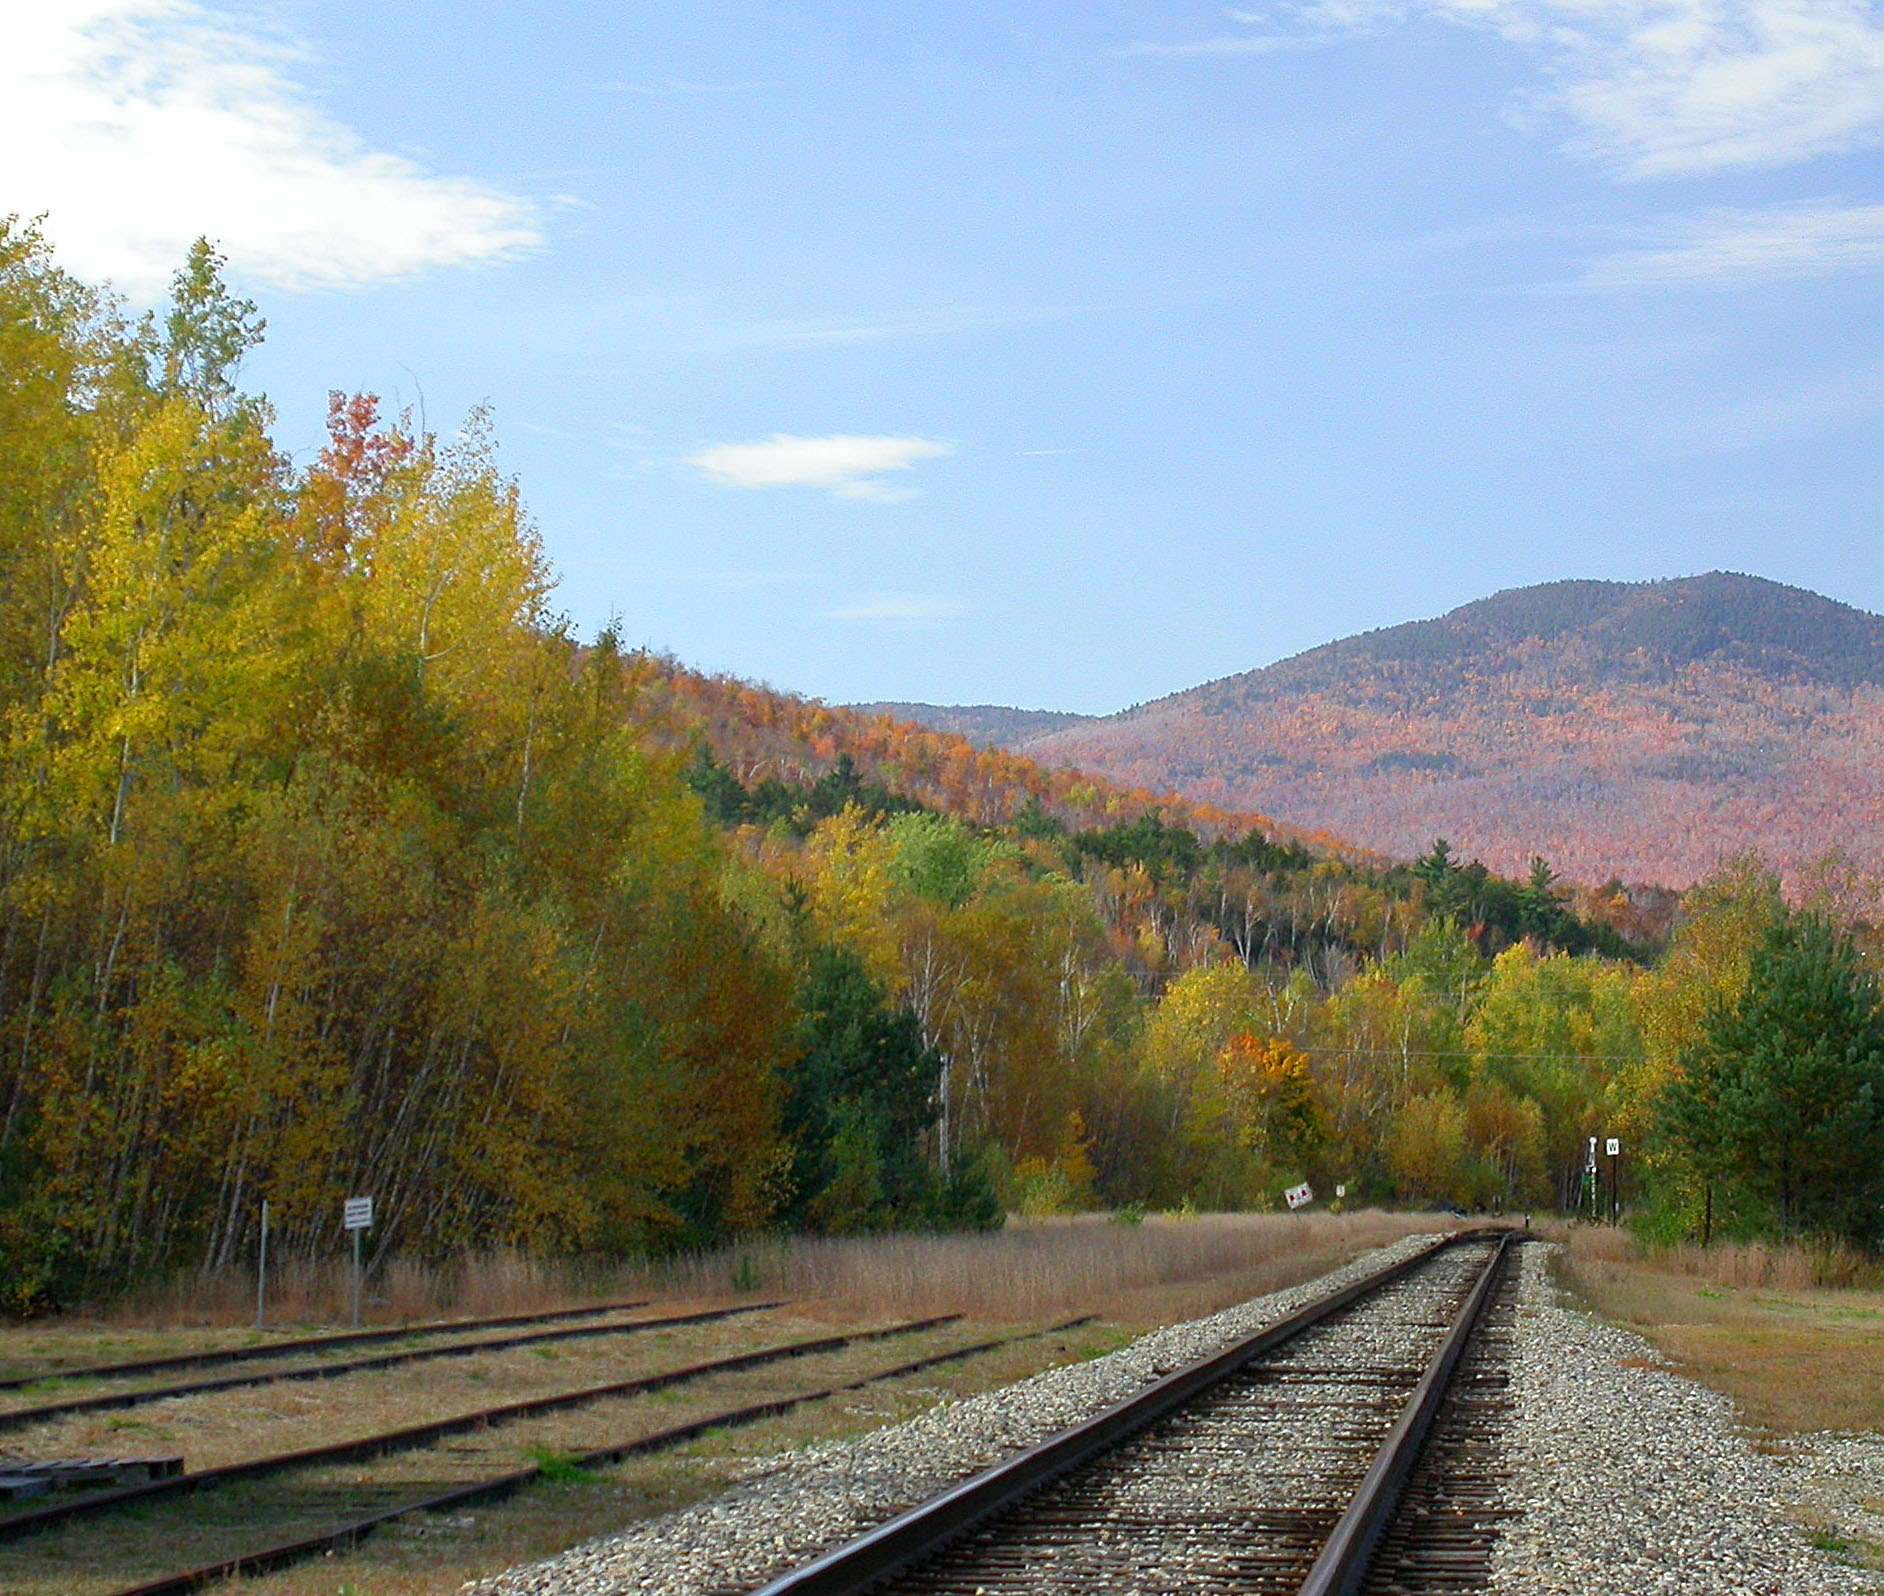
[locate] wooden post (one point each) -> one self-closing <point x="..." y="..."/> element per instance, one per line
<point x="261" y="1271"/>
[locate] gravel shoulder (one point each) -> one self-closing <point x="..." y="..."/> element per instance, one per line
<point x="1631" y="1478"/>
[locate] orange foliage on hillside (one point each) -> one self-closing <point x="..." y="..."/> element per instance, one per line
<point x="760" y="733"/>
<point x="1642" y="731"/>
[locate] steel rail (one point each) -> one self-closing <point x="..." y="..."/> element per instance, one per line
<point x="928" y="1527"/>
<point x="21" y="1418"/>
<point x="416" y="1436"/>
<point x="291" y="1348"/>
<point x="1342" y="1567"/>
<point x="267" y="1559"/>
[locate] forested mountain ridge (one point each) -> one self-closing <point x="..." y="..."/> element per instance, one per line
<point x="764" y="735"/>
<point x="1642" y="730"/>
<point x="985" y="725"/>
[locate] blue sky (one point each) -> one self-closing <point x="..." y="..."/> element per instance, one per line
<point x="1044" y="354"/>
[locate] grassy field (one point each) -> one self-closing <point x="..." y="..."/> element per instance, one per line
<point x="1796" y="1338"/>
<point x="1020" y="1279"/>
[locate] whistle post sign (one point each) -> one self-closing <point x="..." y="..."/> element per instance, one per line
<point x="356" y="1215"/>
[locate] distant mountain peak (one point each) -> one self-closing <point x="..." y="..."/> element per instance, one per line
<point x="1778" y="631"/>
<point x="1647" y="729"/>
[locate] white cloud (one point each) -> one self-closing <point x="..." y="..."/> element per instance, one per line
<point x="896" y="609"/>
<point x="1727" y="247"/>
<point x="138" y="125"/>
<point x="846" y="464"/>
<point x="1661" y="88"/>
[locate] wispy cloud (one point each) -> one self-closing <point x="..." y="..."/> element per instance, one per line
<point x="1817" y="239"/>
<point x="1656" y="88"/>
<point x="1687" y="86"/>
<point x="896" y="609"/>
<point x="846" y="464"/>
<point x="137" y="125"/>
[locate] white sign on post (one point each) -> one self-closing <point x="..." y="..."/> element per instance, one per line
<point x="1341" y="1188"/>
<point x="356" y="1214"/>
<point x="1613" y="1147"/>
<point x="1299" y="1196"/>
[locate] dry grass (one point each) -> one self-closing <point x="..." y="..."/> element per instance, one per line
<point x="1028" y="1268"/>
<point x="1153" y="1272"/>
<point x="476" y="1286"/>
<point x="1762" y="1324"/>
<point x="1790" y="1266"/>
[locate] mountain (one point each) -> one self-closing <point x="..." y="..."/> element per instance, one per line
<point x="760" y="734"/>
<point x="1647" y="730"/>
<point x="984" y="725"/>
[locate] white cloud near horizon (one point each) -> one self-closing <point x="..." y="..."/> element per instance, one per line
<point x="1665" y="88"/>
<point x="896" y="609"/>
<point x="847" y="464"/>
<point x="1814" y="239"/>
<point x="137" y="126"/>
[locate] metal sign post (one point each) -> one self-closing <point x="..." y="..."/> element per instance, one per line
<point x="356" y="1215"/>
<point x="261" y="1270"/>
<point x="1613" y="1147"/>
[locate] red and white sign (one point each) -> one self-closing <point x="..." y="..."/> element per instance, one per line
<point x="1299" y="1196"/>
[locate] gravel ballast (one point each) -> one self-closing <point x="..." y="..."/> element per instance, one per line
<point x="1629" y="1479"/>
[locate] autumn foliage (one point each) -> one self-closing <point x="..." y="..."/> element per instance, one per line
<point x="331" y="863"/>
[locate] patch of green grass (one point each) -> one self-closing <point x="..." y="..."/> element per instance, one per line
<point x="558" y="1468"/>
<point x="1826" y="1541"/>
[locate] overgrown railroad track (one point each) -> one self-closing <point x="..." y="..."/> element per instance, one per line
<point x="305" y="1360"/>
<point x="267" y="1511"/>
<point x="1290" y="1462"/>
<point x="276" y="1346"/>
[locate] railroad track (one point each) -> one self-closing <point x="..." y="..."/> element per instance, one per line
<point x="1295" y="1461"/>
<point x="291" y="1346"/>
<point x="328" y="1369"/>
<point x="415" y="1437"/>
<point x="373" y="1506"/>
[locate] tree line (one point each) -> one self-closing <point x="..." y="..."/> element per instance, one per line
<point x="332" y="862"/>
